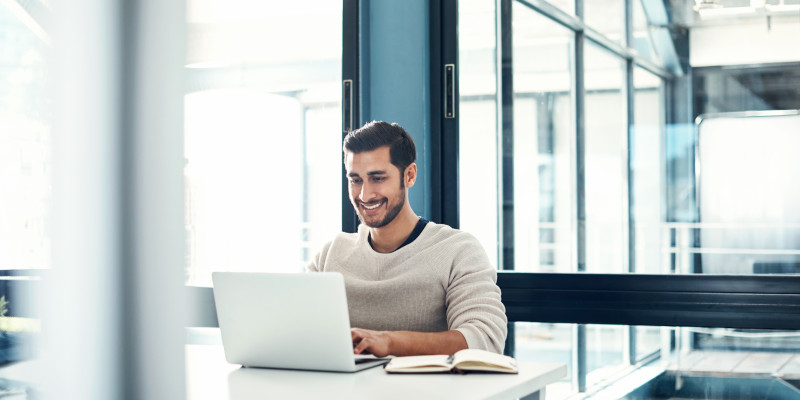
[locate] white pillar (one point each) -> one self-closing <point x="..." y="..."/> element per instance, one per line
<point x="113" y="308"/>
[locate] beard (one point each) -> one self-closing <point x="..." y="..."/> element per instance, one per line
<point x="391" y="213"/>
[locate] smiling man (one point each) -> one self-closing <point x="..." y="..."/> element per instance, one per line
<point x="413" y="286"/>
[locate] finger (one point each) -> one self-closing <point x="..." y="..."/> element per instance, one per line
<point x="362" y="346"/>
<point x="356" y="336"/>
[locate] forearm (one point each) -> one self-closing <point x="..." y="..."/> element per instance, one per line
<point x="406" y="343"/>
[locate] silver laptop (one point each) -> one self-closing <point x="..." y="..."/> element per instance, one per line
<point x="291" y="321"/>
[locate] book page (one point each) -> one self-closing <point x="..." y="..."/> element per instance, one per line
<point x="473" y="359"/>
<point x="419" y="364"/>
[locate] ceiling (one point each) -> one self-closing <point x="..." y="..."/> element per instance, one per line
<point x="692" y="13"/>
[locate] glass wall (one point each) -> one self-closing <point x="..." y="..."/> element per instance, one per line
<point x="606" y="161"/>
<point x="745" y="135"/>
<point x="620" y="131"/>
<point x="542" y="141"/>
<point x="647" y="172"/>
<point x="542" y="128"/>
<point x="642" y="40"/>
<point x="706" y="374"/>
<point x="583" y="134"/>
<point x="606" y="17"/>
<point x="757" y="232"/>
<point x="646" y="143"/>
<point x="478" y="141"/>
<point x="262" y="141"/>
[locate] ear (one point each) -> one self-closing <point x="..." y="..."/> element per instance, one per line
<point x="410" y="175"/>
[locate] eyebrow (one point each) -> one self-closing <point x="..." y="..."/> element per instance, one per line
<point x="370" y="173"/>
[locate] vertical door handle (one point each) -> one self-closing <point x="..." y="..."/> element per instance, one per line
<point x="347" y="105"/>
<point x="449" y="91"/>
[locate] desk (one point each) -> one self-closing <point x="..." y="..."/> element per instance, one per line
<point x="209" y="376"/>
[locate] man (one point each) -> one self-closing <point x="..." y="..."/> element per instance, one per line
<point x="413" y="286"/>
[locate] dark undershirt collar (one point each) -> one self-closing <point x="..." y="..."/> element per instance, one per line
<point x="414" y="234"/>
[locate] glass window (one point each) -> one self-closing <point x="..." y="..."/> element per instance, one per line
<point x="259" y="196"/>
<point x="548" y="343"/>
<point x="25" y="141"/>
<point x="647" y="180"/>
<point x="567" y="6"/>
<point x="647" y="342"/>
<point x="26" y="201"/>
<point x="478" y="139"/>
<point x="707" y="372"/>
<point x="606" y="17"/>
<point x="606" y="200"/>
<point x="746" y="134"/>
<point x="542" y="133"/>
<point x="647" y="172"/>
<point x="641" y="178"/>
<point x="606" y="164"/>
<point x="642" y="41"/>
<point x="748" y="221"/>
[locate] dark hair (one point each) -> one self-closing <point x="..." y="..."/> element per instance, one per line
<point x="377" y="134"/>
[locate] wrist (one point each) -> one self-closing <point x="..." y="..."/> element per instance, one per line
<point x="391" y="342"/>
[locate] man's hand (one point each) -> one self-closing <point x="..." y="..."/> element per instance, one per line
<point x="377" y="343"/>
<point x="405" y="343"/>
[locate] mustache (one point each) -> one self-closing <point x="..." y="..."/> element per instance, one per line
<point x="373" y="202"/>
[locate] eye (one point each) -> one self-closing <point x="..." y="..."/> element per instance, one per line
<point x="355" y="181"/>
<point x="379" y="178"/>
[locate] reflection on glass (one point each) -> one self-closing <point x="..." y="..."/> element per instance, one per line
<point x="259" y="195"/>
<point x="542" y="143"/>
<point x="478" y="139"/>
<point x="606" y="17"/>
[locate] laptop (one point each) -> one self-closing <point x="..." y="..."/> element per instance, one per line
<point x="283" y="320"/>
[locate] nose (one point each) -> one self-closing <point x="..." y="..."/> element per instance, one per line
<point x="366" y="192"/>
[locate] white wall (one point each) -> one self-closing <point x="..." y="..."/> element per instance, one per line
<point x="746" y="42"/>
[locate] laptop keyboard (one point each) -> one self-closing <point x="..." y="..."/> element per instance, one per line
<point x="360" y="359"/>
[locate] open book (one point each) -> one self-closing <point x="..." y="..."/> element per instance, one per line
<point x="461" y="361"/>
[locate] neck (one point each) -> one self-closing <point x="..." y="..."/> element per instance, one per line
<point x="388" y="238"/>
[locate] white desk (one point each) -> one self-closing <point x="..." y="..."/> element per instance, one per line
<point x="209" y="376"/>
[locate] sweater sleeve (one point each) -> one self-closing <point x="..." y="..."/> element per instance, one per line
<point x="473" y="300"/>
<point x="317" y="262"/>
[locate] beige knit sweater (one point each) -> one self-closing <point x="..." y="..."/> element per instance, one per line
<point x="441" y="281"/>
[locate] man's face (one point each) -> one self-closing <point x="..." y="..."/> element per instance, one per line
<point x="375" y="185"/>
